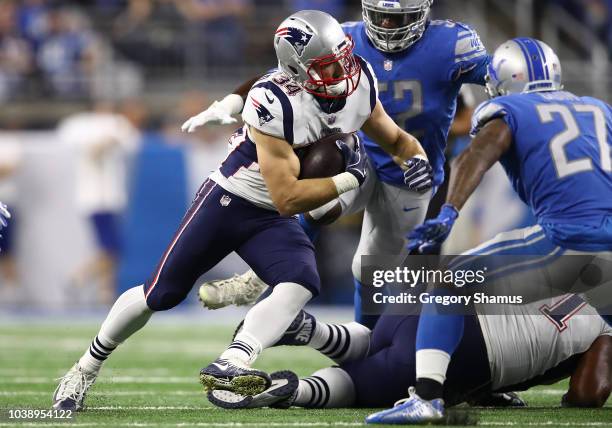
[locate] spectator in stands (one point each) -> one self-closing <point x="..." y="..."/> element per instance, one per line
<point x="150" y="32"/>
<point x="216" y="36"/>
<point x="15" y="53"/>
<point x="335" y="8"/>
<point x="69" y="53"/>
<point x="33" y="21"/>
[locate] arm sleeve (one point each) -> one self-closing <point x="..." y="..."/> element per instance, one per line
<point x="268" y="109"/>
<point x="488" y="111"/>
<point x="470" y="57"/>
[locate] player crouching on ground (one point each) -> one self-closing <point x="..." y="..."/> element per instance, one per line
<point x="248" y="204"/>
<point x="506" y="351"/>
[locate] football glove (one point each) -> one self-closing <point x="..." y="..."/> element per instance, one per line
<point x="433" y="232"/>
<point x="220" y="112"/>
<point x="355" y="161"/>
<point x="418" y="174"/>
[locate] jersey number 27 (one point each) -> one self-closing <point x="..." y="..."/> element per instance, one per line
<point x="564" y="166"/>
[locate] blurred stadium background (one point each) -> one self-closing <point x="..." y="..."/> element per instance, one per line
<point x="98" y="175"/>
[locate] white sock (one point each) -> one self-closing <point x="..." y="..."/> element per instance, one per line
<point x="128" y="315"/>
<point x="267" y="321"/>
<point x="331" y="387"/>
<point x="341" y="342"/>
<point x="432" y="364"/>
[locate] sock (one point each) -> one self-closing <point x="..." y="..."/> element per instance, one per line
<point x="438" y="335"/>
<point x="268" y="320"/>
<point x="312" y="230"/>
<point x="128" y="315"/>
<point x="341" y="342"/>
<point x="244" y="348"/>
<point x="331" y="387"/>
<point x="368" y="320"/>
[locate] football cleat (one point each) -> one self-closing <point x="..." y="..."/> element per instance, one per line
<point x="410" y="411"/>
<point x="235" y="377"/>
<point x="238" y="290"/>
<point x="280" y="395"/>
<point x="71" y="391"/>
<point x="499" y="399"/>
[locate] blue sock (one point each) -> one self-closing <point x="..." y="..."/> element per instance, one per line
<point x="312" y="230"/>
<point x="368" y="320"/>
<point x="439" y="326"/>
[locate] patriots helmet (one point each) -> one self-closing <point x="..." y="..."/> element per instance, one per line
<point x="313" y="50"/>
<point x="523" y="65"/>
<point x="395" y="25"/>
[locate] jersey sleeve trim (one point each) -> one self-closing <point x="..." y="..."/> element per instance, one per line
<point x="365" y="67"/>
<point x="286" y="106"/>
<point x="487" y="112"/>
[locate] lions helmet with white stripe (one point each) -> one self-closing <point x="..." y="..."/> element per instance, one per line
<point x="313" y="50"/>
<point x="395" y="25"/>
<point x="523" y="65"/>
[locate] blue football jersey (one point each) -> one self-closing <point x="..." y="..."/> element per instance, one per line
<point x="560" y="163"/>
<point x="418" y="87"/>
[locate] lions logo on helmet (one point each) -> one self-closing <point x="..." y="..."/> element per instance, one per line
<point x="299" y="39"/>
<point x="263" y="113"/>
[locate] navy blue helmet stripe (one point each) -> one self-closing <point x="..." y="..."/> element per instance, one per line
<point x="286" y="105"/>
<point x="366" y="70"/>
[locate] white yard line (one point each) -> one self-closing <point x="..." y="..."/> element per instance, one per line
<point x="105" y="379"/>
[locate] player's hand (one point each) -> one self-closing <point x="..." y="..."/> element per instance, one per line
<point x="216" y="113"/>
<point x="4" y="215"/>
<point x="433" y="232"/>
<point x="418" y="174"/>
<point x="355" y="161"/>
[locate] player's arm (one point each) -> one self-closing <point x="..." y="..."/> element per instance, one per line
<point x="468" y="169"/>
<point x="393" y="139"/>
<point x="406" y="150"/>
<point x="280" y="169"/>
<point x="222" y="112"/>
<point x="591" y="382"/>
<point x="491" y="142"/>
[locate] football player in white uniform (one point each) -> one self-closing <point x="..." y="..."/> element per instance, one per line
<point x="248" y="204"/>
<point x="513" y="349"/>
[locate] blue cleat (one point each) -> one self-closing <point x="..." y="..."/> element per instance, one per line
<point x="410" y="411"/>
<point x="235" y="377"/>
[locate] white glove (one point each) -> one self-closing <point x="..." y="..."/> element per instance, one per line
<point x="219" y="112"/>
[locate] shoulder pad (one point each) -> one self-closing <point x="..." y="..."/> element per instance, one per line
<point x="468" y="45"/>
<point x="268" y="109"/>
<point x="486" y="112"/>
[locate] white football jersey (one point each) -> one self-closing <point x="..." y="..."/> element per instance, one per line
<point x="279" y="107"/>
<point x="562" y="328"/>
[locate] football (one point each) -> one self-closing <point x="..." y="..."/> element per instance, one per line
<point x="323" y="158"/>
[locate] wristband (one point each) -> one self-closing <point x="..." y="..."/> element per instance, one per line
<point x="233" y="103"/>
<point x="345" y="182"/>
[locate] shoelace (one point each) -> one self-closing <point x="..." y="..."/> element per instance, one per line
<point x="75" y="387"/>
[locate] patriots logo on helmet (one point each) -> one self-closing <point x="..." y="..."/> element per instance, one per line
<point x="263" y="113"/>
<point x="299" y="39"/>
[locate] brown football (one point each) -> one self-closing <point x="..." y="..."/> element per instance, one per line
<point x="323" y="158"/>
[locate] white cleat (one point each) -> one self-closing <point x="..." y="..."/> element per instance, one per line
<point x="238" y="290"/>
<point x="71" y="391"/>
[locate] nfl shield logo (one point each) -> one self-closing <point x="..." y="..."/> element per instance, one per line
<point x="331" y="119"/>
<point x="225" y="200"/>
<point x="388" y="65"/>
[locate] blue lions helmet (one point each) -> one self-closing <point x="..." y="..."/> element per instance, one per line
<point x="395" y="25"/>
<point x="523" y="65"/>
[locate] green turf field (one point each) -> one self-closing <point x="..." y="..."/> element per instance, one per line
<point x="153" y="382"/>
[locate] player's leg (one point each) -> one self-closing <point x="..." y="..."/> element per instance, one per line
<point x="391" y="213"/>
<point x="282" y="255"/>
<point x="198" y="245"/>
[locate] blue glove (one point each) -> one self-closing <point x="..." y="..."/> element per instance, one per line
<point x="418" y="174"/>
<point x="4" y="215"/>
<point x="433" y="232"/>
<point x="355" y="161"/>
